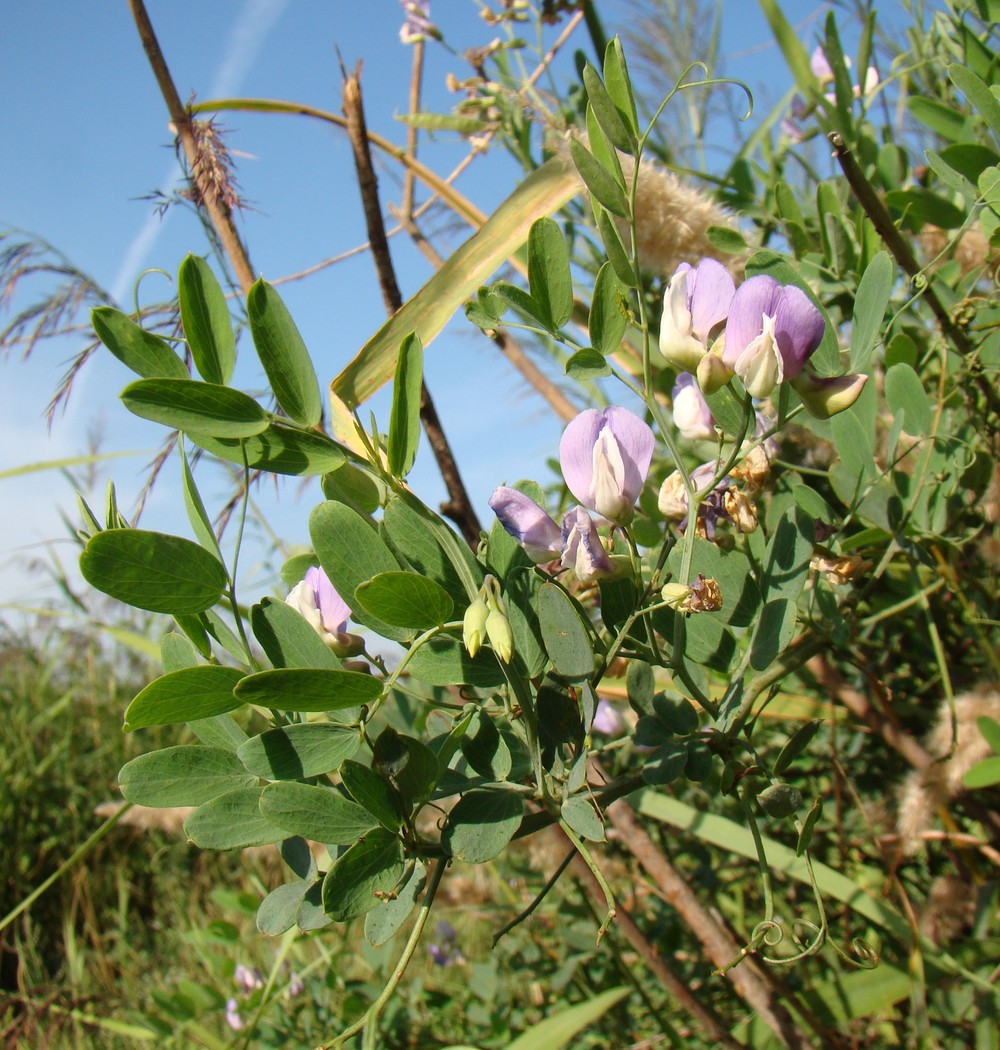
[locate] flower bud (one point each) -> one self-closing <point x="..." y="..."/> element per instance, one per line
<point x="713" y="373"/>
<point x="499" y="633"/>
<point x="474" y="626"/>
<point x="675" y="594"/>
<point x="824" y="398"/>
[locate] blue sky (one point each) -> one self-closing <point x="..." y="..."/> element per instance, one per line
<point x="86" y="136"/>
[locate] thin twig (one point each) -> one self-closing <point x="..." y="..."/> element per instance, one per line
<point x="218" y="210"/>
<point x="459" y="507"/>
<point x="886" y="229"/>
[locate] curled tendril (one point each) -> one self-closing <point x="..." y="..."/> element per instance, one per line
<point x="806" y="949"/>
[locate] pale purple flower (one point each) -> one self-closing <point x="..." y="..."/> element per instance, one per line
<point x="445" y="951"/>
<point x="823" y="72"/>
<point x="295" y="986"/>
<point x="317" y="601"/>
<point x="696" y="301"/>
<point x="233" y="1019"/>
<point x="418" y="25"/>
<point x="248" y="979"/>
<point x="528" y="523"/>
<point x="772" y="331"/>
<point x="605" y="456"/>
<point x="582" y="550"/>
<point x="608" y="718"/>
<point x="692" y="416"/>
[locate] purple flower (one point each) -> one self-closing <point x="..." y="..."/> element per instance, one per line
<point x="317" y="601"/>
<point x="233" y="1019"/>
<point x="418" y="25"/>
<point x="608" y="718"/>
<point x="772" y="331"/>
<point x="582" y="550"/>
<point x="696" y="301"/>
<point x="528" y="523"/>
<point x="605" y="458"/>
<point x="823" y="72"/>
<point x="692" y="416"/>
<point x="445" y="951"/>
<point x="248" y="979"/>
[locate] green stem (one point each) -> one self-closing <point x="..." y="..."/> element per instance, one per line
<point x="375" y="1010"/>
<point x="597" y="873"/>
<point x="73" y="858"/>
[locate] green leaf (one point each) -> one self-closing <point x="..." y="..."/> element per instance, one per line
<point x="152" y="571"/>
<point x="279" y="449"/>
<point x="308" y="689"/>
<point x="314" y="812"/>
<point x="297" y="752"/>
<point x="780" y="800"/>
<point x="611" y="120"/>
<point x="544" y="191"/>
<point x="788" y="40"/>
<point x="786" y="558"/>
<point x="555" y="1032"/>
<point x="196" y="407"/>
<point x="919" y="206"/>
<point x="580" y="815"/>
<point x="485" y="749"/>
<point x="205" y="319"/>
<point x="939" y="117"/>
<point x="666" y="763"/>
<point x="599" y="181"/>
<point x="418" y="778"/>
<point x="587" y="364"/>
<point x="549" y="278"/>
<point x="619" y="84"/>
<point x="983" y="774"/>
<point x="608" y="311"/>
<point x="404" y="422"/>
<point x="279" y="909"/>
<point x="429" y="546"/>
<point x="144" y="353"/>
<point x="618" y="254"/>
<point x="287" y="639"/>
<point x="351" y="553"/>
<point x="978" y="94"/>
<point x="990" y="728"/>
<point x="284" y="355"/>
<point x="795" y="745"/>
<point x="869" y="308"/>
<point x="183" y="696"/>
<point x="373" y="793"/>
<point x="197" y="515"/>
<point x="384" y="920"/>
<point x="774" y="633"/>
<point x="231" y="821"/>
<point x="905" y="395"/>
<point x="726" y="240"/>
<point x="373" y="865"/>
<point x="406" y="599"/>
<point x="731" y="570"/>
<point x="565" y="634"/>
<point x="182" y="776"/>
<point x="482" y="824"/>
<point x="444" y="661"/>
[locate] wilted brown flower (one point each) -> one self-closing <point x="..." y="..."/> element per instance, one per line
<point x="837" y="568"/>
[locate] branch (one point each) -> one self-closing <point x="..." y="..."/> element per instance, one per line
<point x="886" y="229"/>
<point x="459" y="507"/>
<point x="218" y="210"/>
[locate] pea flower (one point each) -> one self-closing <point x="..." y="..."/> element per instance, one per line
<point x="583" y="551"/>
<point x="772" y="331"/>
<point x="233" y="1019"/>
<point x="696" y="301"/>
<point x="692" y="416"/>
<point x="576" y="544"/>
<point x="605" y="456"/>
<point x="528" y="523"/>
<point x="608" y="719"/>
<point x="823" y="72"/>
<point x="417" y="25"/>
<point x="316" y="600"/>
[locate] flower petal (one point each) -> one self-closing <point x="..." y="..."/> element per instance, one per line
<point x="333" y="610"/>
<point x="798" y="328"/>
<point x="528" y="523"/>
<point x="711" y="293"/>
<point x="583" y="551"/>
<point x="755" y="298"/>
